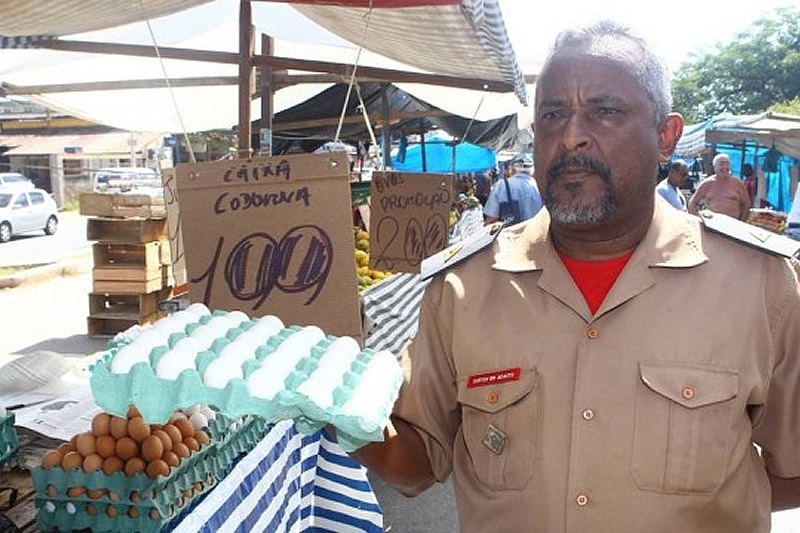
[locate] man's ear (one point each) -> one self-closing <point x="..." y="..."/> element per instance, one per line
<point x="669" y="134"/>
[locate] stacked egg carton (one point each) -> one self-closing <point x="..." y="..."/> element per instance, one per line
<point x="73" y="499"/>
<point x="245" y="366"/>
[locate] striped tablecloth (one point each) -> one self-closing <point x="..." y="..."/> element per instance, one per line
<point x="289" y="483"/>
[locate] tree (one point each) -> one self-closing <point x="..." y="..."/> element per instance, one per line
<point x="758" y="69"/>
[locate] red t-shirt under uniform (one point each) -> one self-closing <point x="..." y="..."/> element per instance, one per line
<point x="594" y="278"/>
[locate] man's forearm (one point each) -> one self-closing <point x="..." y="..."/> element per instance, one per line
<point x="401" y="460"/>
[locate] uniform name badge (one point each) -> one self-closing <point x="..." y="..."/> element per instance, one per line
<point x="495" y="439"/>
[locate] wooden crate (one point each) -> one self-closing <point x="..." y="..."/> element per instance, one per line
<point x="126" y="230"/>
<point x="129" y="286"/>
<point x="122" y="205"/>
<point x="129" y="262"/>
<point x="99" y="327"/>
<point x="131" y="306"/>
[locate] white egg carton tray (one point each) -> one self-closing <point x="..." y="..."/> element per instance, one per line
<point x="245" y="366"/>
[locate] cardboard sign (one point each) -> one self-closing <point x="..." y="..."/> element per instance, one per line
<point x="409" y="219"/>
<point x="178" y="281"/>
<point x="272" y="236"/>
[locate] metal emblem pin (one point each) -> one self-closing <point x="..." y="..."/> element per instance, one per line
<point x="494" y="439"/>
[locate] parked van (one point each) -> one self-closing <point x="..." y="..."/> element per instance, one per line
<point x="125" y="179"/>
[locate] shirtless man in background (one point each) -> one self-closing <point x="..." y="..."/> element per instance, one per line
<point x="722" y="192"/>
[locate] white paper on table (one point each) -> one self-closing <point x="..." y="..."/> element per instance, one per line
<point x="62" y="416"/>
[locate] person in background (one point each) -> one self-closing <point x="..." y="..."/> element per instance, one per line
<point x="750" y="182"/>
<point x="578" y="411"/>
<point x="670" y="186"/>
<point x="521" y="188"/>
<point x="721" y="192"/>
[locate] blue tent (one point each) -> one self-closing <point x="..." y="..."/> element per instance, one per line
<point x="441" y="153"/>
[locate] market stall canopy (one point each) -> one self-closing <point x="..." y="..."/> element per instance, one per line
<point x="443" y="154"/>
<point x="312" y="122"/>
<point x="776" y="130"/>
<point x="165" y="94"/>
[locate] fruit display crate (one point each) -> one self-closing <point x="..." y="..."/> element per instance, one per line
<point x="8" y="438"/>
<point x="76" y="500"/>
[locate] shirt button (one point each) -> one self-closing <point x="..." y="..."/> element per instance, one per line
<point x="581" y="500"/>
<point x="492" y="397"/>
<point x="687" y="393"/>
<point x="592" y="333"/>
<point x="587" y="414"/>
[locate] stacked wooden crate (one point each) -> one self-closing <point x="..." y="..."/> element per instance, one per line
<point x="132" y="269"/>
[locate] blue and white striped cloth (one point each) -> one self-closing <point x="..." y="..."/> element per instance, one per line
<point x="391" y="312"/>
<point x="290" y="483"/>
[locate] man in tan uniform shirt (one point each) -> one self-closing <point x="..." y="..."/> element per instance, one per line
<point x="553" y="418"/>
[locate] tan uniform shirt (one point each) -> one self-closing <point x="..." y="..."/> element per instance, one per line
<point x="638" y="419"/>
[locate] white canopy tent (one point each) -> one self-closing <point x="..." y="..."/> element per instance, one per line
<point x="167" y="102"/>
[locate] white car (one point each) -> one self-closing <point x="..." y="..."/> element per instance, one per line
<point x="26" y="210"/>
<point x="14" y="179"/>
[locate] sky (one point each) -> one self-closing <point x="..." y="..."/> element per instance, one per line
<point x="676" y="28"/>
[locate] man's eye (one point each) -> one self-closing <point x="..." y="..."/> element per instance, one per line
<point x="549" y="115"/>
<point x="605" y="111"/>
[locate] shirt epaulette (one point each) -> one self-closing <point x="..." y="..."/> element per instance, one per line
<point x="456" y="253"/>
<point x="750" y="235"/>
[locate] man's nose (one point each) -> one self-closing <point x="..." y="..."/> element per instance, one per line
<point x="575" y="135"/>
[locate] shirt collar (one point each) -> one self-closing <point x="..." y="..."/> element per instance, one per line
<point x="672" y="241"/>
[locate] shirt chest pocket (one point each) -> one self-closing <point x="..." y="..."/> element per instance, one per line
<point x="499" y="424"/>
<point x="683" y="428"/>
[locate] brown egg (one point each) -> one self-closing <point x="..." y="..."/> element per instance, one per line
<point x="111" y="511"/>
<point x="92" y="462"/>
<point x="74" y="492"/>
<point x="135" y="498"/>
<point x="73" y="441"/>
<point x="186" y="428"/>
<point x="85" y="444"/>
<point x="154" y="514"/>
<point x="181" y="449"/>
<point x="126" y="448"/>
<point x="96" y="494"/>
<point x="166" y="440"/>
<point x="51" y="491"/>
<point x="202" y="437"/>
<point x="51" y="459"/>
<point x="134" y="465"/>
<point x="133" y="411"/>
<point x="152" y="448"/>
<point x="133" y="512"/>
<point x="65" y="447"/>
<point x="174" y="433"/>
<point x="118" y="427"/>
<point x="157" y="468"/>
<point x="112" y="465"/>
<point x="91" y="510"/>
<point x="191" y="443"/>
<point x="171" y="458"/>
<point x="106" y="446"/>
<point x="71" y="461"/>
<point x="101" y="424"/>
<point x="138" y="429"/>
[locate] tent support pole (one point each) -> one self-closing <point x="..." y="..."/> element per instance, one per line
<point x="422" y="145"/>
<point x="386" y="134"/>
<point x="267" y="94"/>
<point x="246" y="49"/>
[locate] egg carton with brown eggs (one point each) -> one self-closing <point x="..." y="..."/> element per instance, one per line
<point x="120" y="477"/>
<point x="8" y="437"/>
<point x="246" y="366"/>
